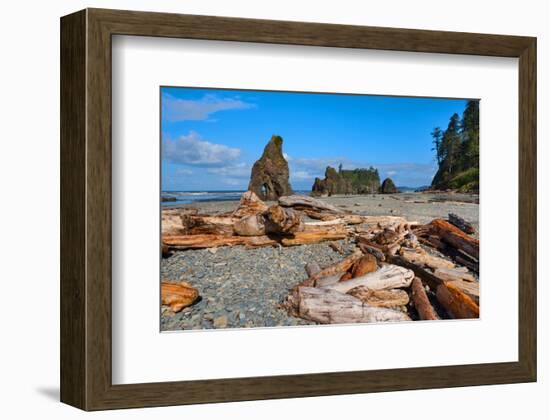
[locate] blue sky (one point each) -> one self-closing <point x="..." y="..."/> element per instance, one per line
<point x="212" y="137"/>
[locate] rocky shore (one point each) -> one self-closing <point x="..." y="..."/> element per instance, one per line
<point x="242" y="287"/>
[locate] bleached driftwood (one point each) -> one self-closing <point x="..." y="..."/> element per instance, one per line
<point x="275" y="220"/>
<point x="250" y="204"/>
<point x="327" y="306"/>
<point x="388" y="277"/>
<point x="450" y="274"/>
<point x="385" y="298"/>
<point x="303" y="201"/>
<point x="421" y="302"/>
<point x="328" y="280"/>
<point x="171" y="220"/>
<point x="194" y="224"/>
<point x="422" y="258"/>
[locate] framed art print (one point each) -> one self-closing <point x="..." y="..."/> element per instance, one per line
<point x="261" y="209"/>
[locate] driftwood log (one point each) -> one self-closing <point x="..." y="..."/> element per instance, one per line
<point x="421" y="302"/>
<point x="178" y="295"/>
<point x="304" y="202"/>
<point x="388" y="277"/>
<point x="194" y="224"/>
<point x="422" y="258"/>
<point x="275" y="220"/>
<point x="327" y="306"/>
<point x="364" y="265"/>
<point x="455" y="237"/>
<point x="250" y="204"/>
<point x="384" y="298"/>
<point x="182" y="242"/>
<point x="462" y="224"/>
<point x="339" y="267"/>
<point x="456" y="302"/>
<point x="458" y="273"/>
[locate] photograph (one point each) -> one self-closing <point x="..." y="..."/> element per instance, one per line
<point x="285" y="209"/>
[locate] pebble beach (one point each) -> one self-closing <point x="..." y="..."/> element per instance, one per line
<point x="242" y="288"/>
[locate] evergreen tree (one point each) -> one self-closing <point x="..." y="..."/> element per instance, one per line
<point x="457" y="150"/>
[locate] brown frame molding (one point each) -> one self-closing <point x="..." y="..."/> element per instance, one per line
<point x="86" y="208"/>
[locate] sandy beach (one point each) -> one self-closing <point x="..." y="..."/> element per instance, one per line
<point x="242" y="287"/>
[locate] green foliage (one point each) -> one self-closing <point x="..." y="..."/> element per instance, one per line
<point x="468" y="178"/>
<point x="457" y="151"/>
<point x="363" y="180"/>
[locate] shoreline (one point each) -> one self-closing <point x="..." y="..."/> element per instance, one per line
<point x="243" y="288"/>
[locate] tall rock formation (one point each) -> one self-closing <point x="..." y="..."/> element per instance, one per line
<point x="388" y="187"/>
<point x="269" y="178"/>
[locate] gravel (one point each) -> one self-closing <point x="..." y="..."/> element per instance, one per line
<point x="241" y="287"/>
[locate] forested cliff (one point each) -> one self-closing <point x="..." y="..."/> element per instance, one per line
<point x="457" y="151"/>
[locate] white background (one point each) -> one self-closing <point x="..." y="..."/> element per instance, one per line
<point x="136" y="191"/>
<point x="29" y="269"/>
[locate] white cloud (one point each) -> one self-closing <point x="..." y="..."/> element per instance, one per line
<point x="192" y="150"/>
<point x="183" y="171"/>
<point x="176" y="109"/>
<point x="391" y="173"/>
<point x="238" y="170"/>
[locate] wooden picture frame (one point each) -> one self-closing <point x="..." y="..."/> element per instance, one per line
<point x="86" y="208"/>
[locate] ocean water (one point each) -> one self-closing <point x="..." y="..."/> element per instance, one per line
<point x="188" y="197"/>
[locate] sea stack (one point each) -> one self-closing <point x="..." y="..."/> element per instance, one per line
<point x="269" y="178"/>
<point x="388" y="187"/>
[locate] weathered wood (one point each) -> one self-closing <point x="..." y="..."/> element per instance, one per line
<point x="470" y="288"/>
<point x="339" y="267"/>
<point x="430" y="279"/>
<point x="249" y="204"/>
<point x="346" y="276"/>
<point x="305" y="238"/>
<point x="195" y="224"/>
<point x="421" y="302"/>
<point x="335" y="246"/>
<point x="331" y="307"/>
<point x="457" y="304"/>
<point x="178" y="295"/>
<point x="305" y="202"/>
<point x="370" y="249"/>
<point x="462" y="224"/>
<point x="450" y="274"/>
<point x="366" y="264"/>
<point x="251" y="225"/>
<point x="182" y="242"/>
<point x="422" y="258"/>
<point x="388" y="277"/>
<point x="383" y="298"/>
<point x="455" y="237"/>
<point x="327" y="281"/>
<point x="282" y="220"/>
<point x="319" y="215"/>
<point x="171" y="223"/>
